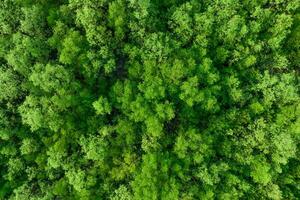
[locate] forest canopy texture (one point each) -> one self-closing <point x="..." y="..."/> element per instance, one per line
<point x="149" y="99"/>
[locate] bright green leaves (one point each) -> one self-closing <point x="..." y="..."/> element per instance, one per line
<point x="154" y="126"/>
<point x="102" y="106"/>
<point x="140" y="11"/>
<point x="60" y="187"/>
<point x="87" y="16"/>
<point x="175" y="71"/>
<point x="284" y="148"/>
<point x="190" y="92"/>
<point x="250" y="61"/>
<point x="29" y="146"/>
<point x="189" y="142"/>
<point x="145" y="184"/>
<point x="165" y="111"/>
<point x="41" y="113"/>
<point x="77" y="178"/>
<point x="109" y="66"/>
<point x="192" y="95"/>
<point x="140" y="109"/>
<point x="153" y="181"/>
<point x="9" y="21"/>
<point x="31" y="115"/>
<point x="57" y="153"/>
<point x="154" y="89"/>
<point x="207" y="72"/>
<point x="279" y="30"/>
<point x="121" y="193"/>
<point x="286" y="89"/>
<point x="145" y="99"/>
<point x="51" y="78"/>
<point x="94" y="148"/>
<point x="233" y="30"/>
<point x="182" y="22"/>
<point x="203" y="26"/>
<point x="125" y="166"/>
<point x="256" y="108"/>
<point x="171" y="190"/>
<point x="59" y="31"/>
<point x="117" y="17"/>
<point x="34" y="20"/>
<point x="178" y="70"/>
<point x="274" y="192"/>
<point x="18" y="57"/>
<point x="123" y="94"/>
<point x="293" y="43"/>
<point x="155" y="48"/>
<point x="15" y="167"/>
<point x="260" y="172"/>
<point x="233" y="87"/>
<point x="58" y="86"/>
<point x="9" y="85"/>
<point x="274" y="89"/>
<point x="71" y="48"/>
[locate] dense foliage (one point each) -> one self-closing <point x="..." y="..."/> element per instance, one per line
<point x="149" y="99"/>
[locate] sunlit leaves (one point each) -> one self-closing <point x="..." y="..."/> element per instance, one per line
<point x="71" y="47"/>
<point x="190" y="92"/>
<point x="9" y="85"/>
<point x="260" y="172"/>
<point x="94" y="148"/>
<point x="144" y="99"/>
<point x="102" y="106"/>
<point x="51" y="78"/>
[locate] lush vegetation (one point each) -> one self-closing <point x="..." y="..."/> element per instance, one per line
<point x="149" y="99"/>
